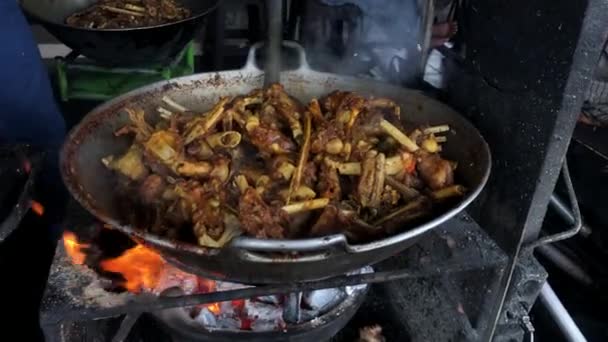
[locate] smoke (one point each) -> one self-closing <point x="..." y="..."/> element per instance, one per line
<point x="376" y="38"/>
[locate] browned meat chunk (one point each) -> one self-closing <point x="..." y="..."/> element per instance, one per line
<point x="371" y="182"/>
<point x="259" y="219"/>
<point x="271" y="141"/>
<point x="331" y="102"/>
<point x="434" y="171"/>
<point x="264" y="165"/>
<point x="151" y="189"/>
<point x="309" y="176"/>
<point x="209" y="219"/>
<point x="321" y="138"/>
<point x="329" y="182"/>
<point x="288" y="109"/>
<point x="368" y="124"/>
<point x="332" y="220"/>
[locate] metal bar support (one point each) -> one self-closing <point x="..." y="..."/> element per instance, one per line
<point x="565" y="263"/>
<point x="564" y="212"/>
<point x="561" y="316"/>
<point x="578" y="220"/>
<point x="146" y="305"/>
<point x="125" y="326"/>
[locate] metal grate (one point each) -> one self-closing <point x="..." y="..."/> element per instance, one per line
<point x="459" y="247"/>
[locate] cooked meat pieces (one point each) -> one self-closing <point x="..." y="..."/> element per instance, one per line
<point x="309" y="176"/>
<point x="259" y="219"/>
<point x="412" y="181"/>
<point x="113" y="14"/>
<point x="271" y="141"/>
<point x="151" y="189"/>
<point x="368" y="125"/>
<point x="332" y="220"/>
<point x="289" y="109"/>
<point x="331" y="102"/>
<point x="294" y="171"/>
<point x="371" y="182"/>
<point x="321" y="138"/>
<point x="209" y="219"/>
<point x="329" y="182"/>
<point x="434" y="171"/>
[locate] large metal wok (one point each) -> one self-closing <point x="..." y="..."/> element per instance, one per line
<point x="123" y="47"/>
<point x="245" y="259"/>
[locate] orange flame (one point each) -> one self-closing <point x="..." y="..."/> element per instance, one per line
<point x="74" y="248"/>
<point x="139" y="266"/>
<point x="214" y="308"/>
<point x="37" y="207"/>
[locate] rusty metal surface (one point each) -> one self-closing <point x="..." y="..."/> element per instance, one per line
<point x="90" y="182"/>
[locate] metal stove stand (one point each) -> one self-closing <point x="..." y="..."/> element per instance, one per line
<point x="423" y="293"/>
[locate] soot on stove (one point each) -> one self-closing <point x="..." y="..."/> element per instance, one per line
<point x="123" y="268"/>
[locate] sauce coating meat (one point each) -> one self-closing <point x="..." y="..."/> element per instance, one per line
<point x="267" y="166"/>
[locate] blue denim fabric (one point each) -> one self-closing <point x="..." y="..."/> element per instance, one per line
<point x="28" y="111"/>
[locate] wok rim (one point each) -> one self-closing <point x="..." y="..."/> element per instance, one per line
<point x="147" y="238"/>
<point x="43" y="21"/>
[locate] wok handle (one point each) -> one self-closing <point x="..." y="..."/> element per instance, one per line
<point x="312" y="249"/>
<point x="250" y="64"/>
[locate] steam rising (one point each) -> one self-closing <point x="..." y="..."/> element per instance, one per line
<point x="361" y="37"/>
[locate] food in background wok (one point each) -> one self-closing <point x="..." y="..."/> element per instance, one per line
<point x="120" y="14"/>
<point x="266" y="166"/>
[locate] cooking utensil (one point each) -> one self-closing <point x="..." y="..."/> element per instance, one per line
<point x="275" y="37"/>
<point x="122" y="47"/>
<point x="245" y="259"/>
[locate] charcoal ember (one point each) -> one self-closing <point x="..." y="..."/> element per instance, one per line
<point x="229" y="317"/>
<point x="274" y="300"/>
<point x="206" y="285"/>
<point x="206" y="318"/>
<point x="172" y="277"/>
<point x="352" y="289"/>
<point x="229" y="322"/>
<point x="228" y="309"/>
<point x="320" y="301"/>
<point x="264" y="317"/>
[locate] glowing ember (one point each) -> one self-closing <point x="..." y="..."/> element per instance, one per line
<point x="140" y="266"/>
<point x="144" y="270"/>
<point x="206" y="285"/>
<point x="214" y="308"/>
<point x="37" y="208"/>
<point x="27" y="166"/>
<point x="74" y="248"/>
